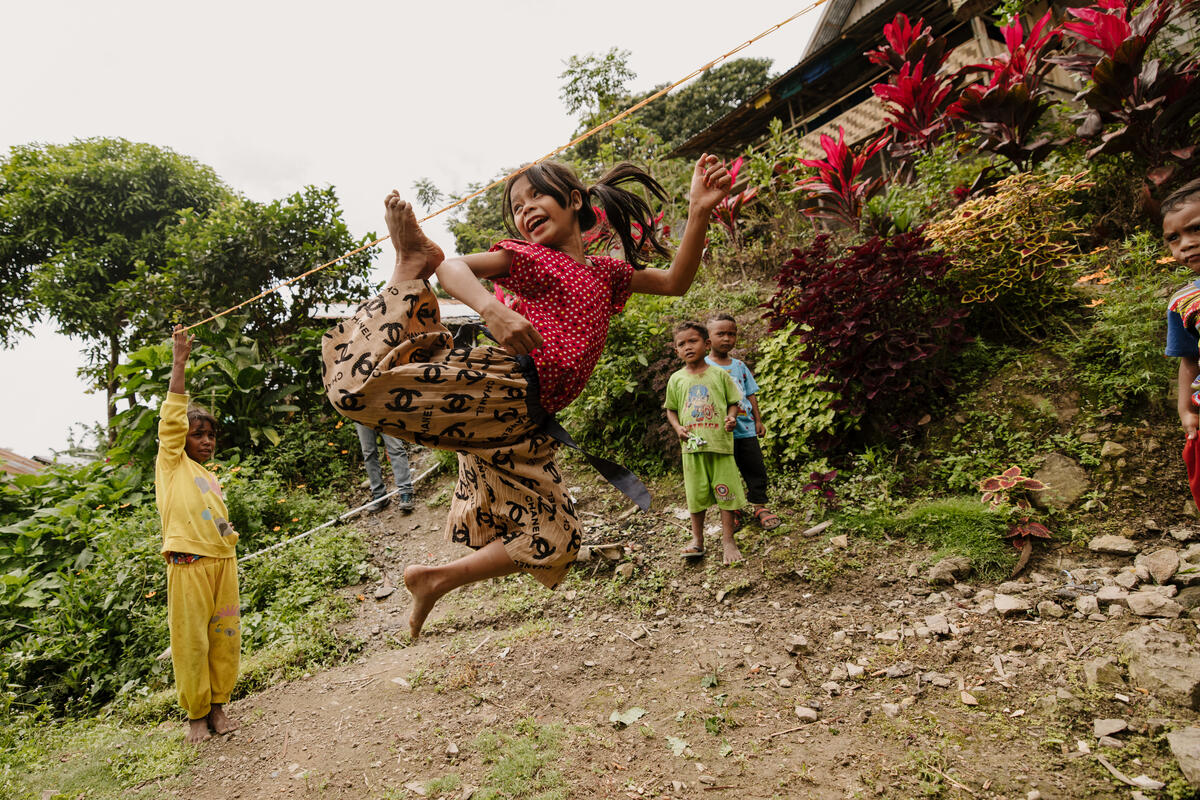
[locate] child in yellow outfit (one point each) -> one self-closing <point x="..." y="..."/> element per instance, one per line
<point x="198" y="545"/>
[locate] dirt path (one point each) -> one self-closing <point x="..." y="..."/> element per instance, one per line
<point x="710" y="667"/>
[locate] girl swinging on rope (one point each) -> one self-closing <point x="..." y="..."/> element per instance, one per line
<point x="393" y="366"/>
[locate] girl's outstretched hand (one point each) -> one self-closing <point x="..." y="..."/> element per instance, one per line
<point x="181" y="344"/>
<point x="514" y="333"/>
<point x="711" y="182"/>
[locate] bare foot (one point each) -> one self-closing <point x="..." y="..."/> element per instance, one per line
<point x="419" y="581"/>
<point x="220" y="721"/>
<point x="198" y="731"/>
<point x="416" y="256"/>
<point x="732" y="554"/>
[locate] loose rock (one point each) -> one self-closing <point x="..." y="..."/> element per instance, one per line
<point x="1161" y="564"/>
<point x="1113" y="545"/>
<point x="1108" y="727"/>
<point x="1008" y="605"/>
<point x="1185" y="744"/>
<point x="1165" y="663"/>
<point x="949" y="570"/>
<point x="1065" y="482"/>
<point x="1153" y="604"/>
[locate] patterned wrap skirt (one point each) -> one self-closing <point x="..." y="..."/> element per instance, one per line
<point x="393" y="367"/>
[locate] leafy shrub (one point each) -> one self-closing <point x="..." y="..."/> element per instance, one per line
<point x="1145" y="106"/>
<point x="1119" y="360"/>
<point x="252" y="393"/>
<point x="836" y="192"/>
<point x="942" y="179"/>
<point x="878" y="324"/>
<point x="84" y="597"/>
<point x="1010" y="251"/>
<point x="1007" y="110"/>
<point x="795" y="410"/>
<point x="918" y="94"/>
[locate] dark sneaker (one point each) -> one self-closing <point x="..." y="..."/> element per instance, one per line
<point x="378" y="505"/>
<point x="405" y="503"/>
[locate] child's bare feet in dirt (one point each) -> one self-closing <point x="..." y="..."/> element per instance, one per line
<point x="732" y="554"/>
<point x="198" y="731"/>
<point x="418" y="581"/>
<point x="220" y="721"/>
<point x="416" y="255"/>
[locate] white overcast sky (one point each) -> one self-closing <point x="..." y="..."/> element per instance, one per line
<point x="363" y="96"/>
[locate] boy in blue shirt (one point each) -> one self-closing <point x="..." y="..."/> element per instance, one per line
<point x="722" y="331"/>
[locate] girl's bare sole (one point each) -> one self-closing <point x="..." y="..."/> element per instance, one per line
<point x="417" y="257"/>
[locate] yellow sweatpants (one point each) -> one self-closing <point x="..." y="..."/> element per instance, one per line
<point x="206" y="631"/>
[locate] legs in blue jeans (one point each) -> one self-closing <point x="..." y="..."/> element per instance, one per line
<point x="399" y="458"/>
<point x="368" y="440"/>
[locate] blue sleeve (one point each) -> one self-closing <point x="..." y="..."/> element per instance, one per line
<point x="1181" y="342"/>
<point x="749" y="385"/>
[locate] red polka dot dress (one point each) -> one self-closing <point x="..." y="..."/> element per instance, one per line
<point x="570" y="304"/>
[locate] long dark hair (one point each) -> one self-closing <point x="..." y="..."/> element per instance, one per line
<point x="623" y="208"/>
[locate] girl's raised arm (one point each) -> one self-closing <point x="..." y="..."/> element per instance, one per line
<point x="181" y="348"/>
<point x="710" y="184"/>
<point x="460" y="277"/>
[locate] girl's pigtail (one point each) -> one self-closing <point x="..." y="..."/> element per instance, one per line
<point x="625" y="210"/>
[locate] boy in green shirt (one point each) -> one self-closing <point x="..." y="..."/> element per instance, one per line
<point x="702" y="407"/>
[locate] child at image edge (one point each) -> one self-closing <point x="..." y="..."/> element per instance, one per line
<point x="393" y="366"/>
<point x="722" y="329"/>
<point x="198" y="545"/>
<point x="702" y="407"/>
<point x="1181" y="233"/>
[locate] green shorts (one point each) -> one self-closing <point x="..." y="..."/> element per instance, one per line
<point x="712" y="479"/>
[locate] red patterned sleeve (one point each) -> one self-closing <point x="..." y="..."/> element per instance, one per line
<point x="523" y="276"/>
<point x="620" y="279"/>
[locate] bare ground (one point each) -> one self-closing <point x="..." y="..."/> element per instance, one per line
<point x="703" y="651"/>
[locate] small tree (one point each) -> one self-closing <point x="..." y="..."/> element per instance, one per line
<point x="82" y="235"/>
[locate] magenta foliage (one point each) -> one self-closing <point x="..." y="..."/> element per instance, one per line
<point x="1006" y="110"/>
<point x="836" y="192"/>
<point x="879" y="323"/>
<point x="729" y="209"/>
<point x="601" y="239"/>
<point x="1136" y="105"/>
<point x="917" y="95"/>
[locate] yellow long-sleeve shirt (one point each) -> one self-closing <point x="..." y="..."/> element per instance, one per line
<point x="190" y="502"/>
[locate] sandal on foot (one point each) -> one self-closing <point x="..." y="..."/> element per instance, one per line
<point x="739" y="519"/>
<point x="766" y="520"/>
<point x="691" y="552"/>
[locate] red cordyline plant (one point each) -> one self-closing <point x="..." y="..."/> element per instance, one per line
<point x="836" y="192"/>
<point x="997" y="491"/>
<point x="729" y="209"/>
<point x="1136" y="105"/>
<point x="879" y="324"/>
<point x="1005" y="111"/>
<point x="917" y="94"/>
<point x="601" y="239"/>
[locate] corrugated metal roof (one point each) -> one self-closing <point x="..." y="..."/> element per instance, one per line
<point x="15" y="464"/>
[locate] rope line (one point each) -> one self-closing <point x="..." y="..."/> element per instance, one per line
<point x="585" y="135"/>
<point x="352" y="512"/>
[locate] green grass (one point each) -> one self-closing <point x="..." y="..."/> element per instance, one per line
<point x="97" y="759"/>
<point x="520" y="763"/>
<point x="953" y="526"/>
